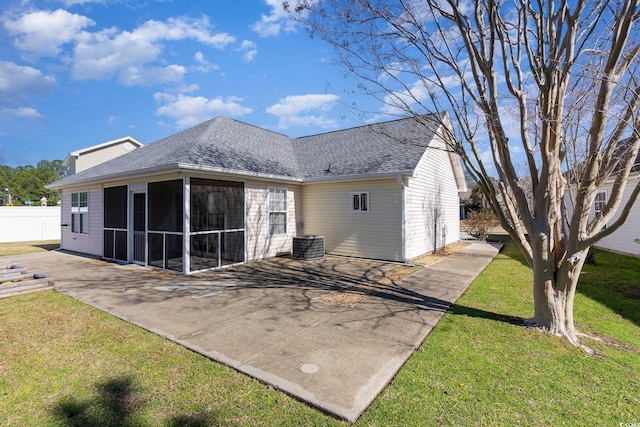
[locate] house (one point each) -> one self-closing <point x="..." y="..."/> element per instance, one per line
<point x="225" y="192"/>
<point x="625" y="239"/>
<point x="79" y="160"/>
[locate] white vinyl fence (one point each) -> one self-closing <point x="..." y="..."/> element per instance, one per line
<point x="29" y="223"/>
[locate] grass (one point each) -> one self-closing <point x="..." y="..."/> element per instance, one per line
<point x="479" y="367"/>
<point x="18" y="248"/>
<point x="64" y="363"/>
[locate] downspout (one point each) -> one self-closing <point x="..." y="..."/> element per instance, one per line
<point x="435" y="230"/>
<point x="403" y="217"/>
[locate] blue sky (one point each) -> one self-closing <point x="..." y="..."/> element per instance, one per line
<point x="75" y="73"/>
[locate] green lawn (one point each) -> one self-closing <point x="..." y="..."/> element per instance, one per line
<point x="64" y="363"/>
<point x="17" y="248"/>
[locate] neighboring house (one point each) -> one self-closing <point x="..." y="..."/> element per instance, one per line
<point x="86" y="158"/>
<point x="623" y="240"/>
<point x="225" y="192"/>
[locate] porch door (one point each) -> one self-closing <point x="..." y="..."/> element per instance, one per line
<point x="139" y="227"/>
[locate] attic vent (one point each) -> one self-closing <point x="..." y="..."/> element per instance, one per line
<point x="308" y="247"/>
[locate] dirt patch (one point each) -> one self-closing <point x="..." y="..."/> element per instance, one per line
<point x="161" y="273"/>
<point x="609" y="342"/>
<point x="343" y="298"/>
<point x="356" y="293"/>
<point x="396" y="274"/>
<point x="430" y="259"/>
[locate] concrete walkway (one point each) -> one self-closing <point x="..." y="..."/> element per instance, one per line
<point x="275" y="320"/>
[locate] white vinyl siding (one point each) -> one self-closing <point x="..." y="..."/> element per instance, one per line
<point x="431" y="204"/>
<point x="90" y="159"/>
<point x="260" y="242"/>
<point x="91" y="241"/>
<point x="376" y="235"/>
<point x="623" y="239"/>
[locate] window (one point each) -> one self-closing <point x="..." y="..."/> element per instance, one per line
<point x="600" y="202"/>
<point x="80" y="212"/>
<point x="277" y="211"/>
<point x="360" y="202"/>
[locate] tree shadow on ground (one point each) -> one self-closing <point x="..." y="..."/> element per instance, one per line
<point x="116" y="403"/>
<point x="462" y="310"/>
<point x="614" y="281"/>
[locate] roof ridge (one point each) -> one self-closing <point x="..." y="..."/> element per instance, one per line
<point x="365" y="125"/>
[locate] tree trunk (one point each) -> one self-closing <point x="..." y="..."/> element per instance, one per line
<point x="553" y="296"/>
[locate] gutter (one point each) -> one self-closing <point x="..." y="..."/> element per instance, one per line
<point x="159" y="170"/>
<point x="358" y="177"/>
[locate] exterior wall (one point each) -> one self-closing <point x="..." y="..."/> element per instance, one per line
<point x="623" y="239"/>
<point x="432" y="189"/>
<point x="259" y="243"/>
<point x="90" y="159"/>
<point x="29" y="223"/>
<point x="376" y="234"/>
<point x="90" y="243"/>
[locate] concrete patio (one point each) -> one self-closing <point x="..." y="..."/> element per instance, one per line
<point x="272" y="319"/>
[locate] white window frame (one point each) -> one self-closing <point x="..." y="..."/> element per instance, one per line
<point x="358" y="203"/>
<point x="598" y="205"/>
<point x="277" y="209"/>
<point x="80" y="212"/>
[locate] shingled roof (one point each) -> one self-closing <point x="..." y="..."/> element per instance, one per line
<point x="229" y="146"/>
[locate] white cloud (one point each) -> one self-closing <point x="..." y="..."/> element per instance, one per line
<point x="295" y="104"/>
<point x="486" y="157"/>
<point x="17" y="82"/>
<point x="399" y="102"/>
<point x="147" y="76"/>
<point x="205" y="66"/>
<point x="134" y="57"/>
<point x="190" y="110"/>
<point x="106" y="53"/>
<point x="44" y="32"/>
<point x="290" y="109"/>
<point x="306" y="121"/>
<point x="113" y="119"/>
<point x="180" y="29"/>
<point x="277" y="20"/>
<point x="249" y="50"/>
<point x="76" y="2"/>
<point x="25" y="113"/>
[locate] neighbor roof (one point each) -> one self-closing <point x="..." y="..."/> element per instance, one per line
<point x="229" y="146"/>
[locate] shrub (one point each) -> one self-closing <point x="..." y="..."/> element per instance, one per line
<point x="480" y="223"/>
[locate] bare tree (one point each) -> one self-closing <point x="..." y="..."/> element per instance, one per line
<point x="554" y="82"/>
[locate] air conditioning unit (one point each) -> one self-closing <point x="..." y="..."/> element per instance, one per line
<point x="308" y="247"/>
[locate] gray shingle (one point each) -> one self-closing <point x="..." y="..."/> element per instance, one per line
<point x="372" y="149"/>
<point x="232" y="145"/>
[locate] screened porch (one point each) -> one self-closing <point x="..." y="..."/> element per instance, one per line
<point x="191" y="224"/>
